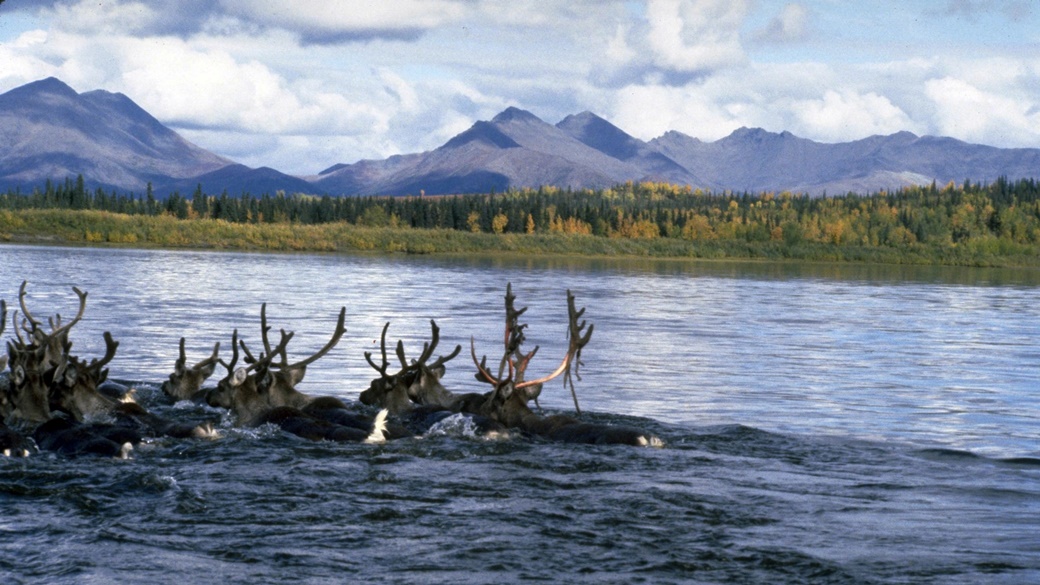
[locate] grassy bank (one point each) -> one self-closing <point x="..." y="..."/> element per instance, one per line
<point x="100" y="228"/>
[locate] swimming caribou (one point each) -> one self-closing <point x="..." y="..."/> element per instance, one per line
<point x="61" y="394"/>
<point x="415" y="393"/>
<point x="264" y="391"/>
<point x="58" y="392"/>
<point x="507" y="401"/>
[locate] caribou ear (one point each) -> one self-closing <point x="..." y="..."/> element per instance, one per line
<point x="438" y="372"/>
<point x="506" y="390"/>
<point x="532" y="392"/>
<point x="18" y="375"/>
<point x="69" y="375"/>
<point x="207" y="371"/>
<point x="266" y="382"/>
<point x="240" y="376"/>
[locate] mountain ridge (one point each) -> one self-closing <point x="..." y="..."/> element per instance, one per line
<point x="49" y="131"/>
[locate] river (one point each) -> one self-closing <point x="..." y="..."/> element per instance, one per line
<point x="823" y="424"/>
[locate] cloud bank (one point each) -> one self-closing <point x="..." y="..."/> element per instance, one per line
<point x="303" y="85"/>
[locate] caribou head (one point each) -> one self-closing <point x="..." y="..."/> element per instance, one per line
<point x="240" y="390"/>
<point x="56" y="342"/>
<point x="265" y="383"/>
<point x="417" y="382"/>
<point x="508" y="400"/>
<point x="74" y="385"/>
<point x="185" y="383"/>
<point x="34" y="359"/>
<point x="26" y="398"/>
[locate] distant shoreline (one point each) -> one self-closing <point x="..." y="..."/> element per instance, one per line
<point x="106" y="229"/>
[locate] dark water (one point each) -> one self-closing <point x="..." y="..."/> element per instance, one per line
<point x="823" y="425"/>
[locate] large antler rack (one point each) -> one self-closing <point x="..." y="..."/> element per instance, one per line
<point x="516" y="361"/>
<point x="58" y="329"/>
<point x="280" y="348"/>
<point x="382" y="347"/>
<point x="97" y="365"/>
<point x="72" y="367"/>
<point x="428" y="348"/>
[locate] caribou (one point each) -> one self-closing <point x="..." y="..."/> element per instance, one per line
<point x="11" y="442"/>
<point x="508" y="401"/>
<point x="72" y="438"/>
<point x="185" y="383"/>
<point x="34" y="359"/>
<point x="63" y="395"/>
<point x="415" y="393"/>
<point x="264" y="391"/>
<point x="56" y="343"/>
<point x="48" y="382"/>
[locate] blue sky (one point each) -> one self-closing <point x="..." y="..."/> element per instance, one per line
<point x="302" y="85"/>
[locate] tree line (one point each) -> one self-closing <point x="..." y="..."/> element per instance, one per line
<point x="1002" y="212"/>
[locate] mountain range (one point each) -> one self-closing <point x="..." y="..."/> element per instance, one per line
<point x="49" y="131"/>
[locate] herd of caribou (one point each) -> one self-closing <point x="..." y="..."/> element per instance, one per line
<point x="53" y="400"/>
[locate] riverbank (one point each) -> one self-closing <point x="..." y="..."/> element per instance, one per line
<point x="102" y="228"/>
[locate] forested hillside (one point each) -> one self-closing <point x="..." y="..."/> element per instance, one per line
<point x="994" y="220"/>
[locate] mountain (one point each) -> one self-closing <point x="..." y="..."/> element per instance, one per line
<point x="236" y="179"/>
<point x="48" y="131"/>
<point x="514" y="149"/>
<point x="752" y="159"/>
<point x="607" y="138"/>
<point x="517" y="149"/>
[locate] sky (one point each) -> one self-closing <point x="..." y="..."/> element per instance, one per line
<point x="302" y="85"/>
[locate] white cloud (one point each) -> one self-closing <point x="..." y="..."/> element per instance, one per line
<point x="339" y="20"/>
<point x="847" y="115"/>
<point x="969" y="113"/>
<point x="396" y="85"/>
<point x="617" y="50"/>
<point x="211" y="88"/>
<point x="103" y="17"/>
<point x="648" y="111"/>
<point x="21" y="63"/>
<point x="792" y="24"/>
<point x="695" y="36"/>
<point x="288" y="85"/>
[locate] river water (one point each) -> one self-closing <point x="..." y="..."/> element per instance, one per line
<point x="824" y="424"/>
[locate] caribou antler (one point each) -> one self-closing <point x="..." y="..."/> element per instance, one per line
<point x="280" y="350"/>
<point x="56" y="342"/>
<point x="429" y="348"/>
<point x="25" y="310"/>
<point x="234" y="354"/>
<point x="264" y="328"/>
<point x="382" y="347"/>
<point x="516" y="361"/>
<point x="182" y="361"/>
<point x="58" y="328"/>
<point x="110" y="352"/>
<point x="482" y="371"/>
<point x="572" y="360"/>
